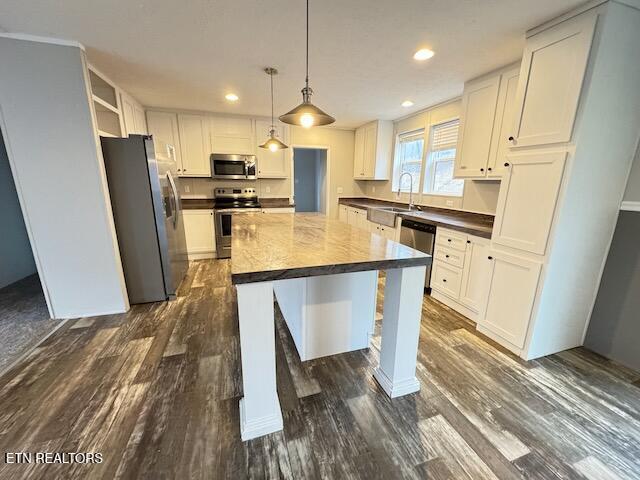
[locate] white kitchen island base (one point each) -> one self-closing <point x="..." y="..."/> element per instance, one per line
<point x="329" y="314"/>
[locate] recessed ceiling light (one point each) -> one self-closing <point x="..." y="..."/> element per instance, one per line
<point x="232" y="97"/>
<point x="423" y="54"/>
<point x="407" y="103"/>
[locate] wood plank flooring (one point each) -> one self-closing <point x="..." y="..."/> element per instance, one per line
<point x="156" y="392"/>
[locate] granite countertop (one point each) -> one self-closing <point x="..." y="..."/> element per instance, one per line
<point x="209" y="203"/>
<point x="281" y="246"/>
<point x="477" y="224"/>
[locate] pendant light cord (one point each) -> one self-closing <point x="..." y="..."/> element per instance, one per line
<point x="307" y="77"/>
<point x="273" y="123"/>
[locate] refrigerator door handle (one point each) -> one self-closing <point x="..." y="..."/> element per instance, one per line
<point x="175" y="199"/>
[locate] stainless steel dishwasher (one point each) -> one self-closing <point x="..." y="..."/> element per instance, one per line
<point x="420" y="236"/>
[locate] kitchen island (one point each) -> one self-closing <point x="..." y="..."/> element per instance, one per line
<point x="275" y="252"/>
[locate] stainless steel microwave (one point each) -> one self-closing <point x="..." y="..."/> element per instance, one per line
<point x="233" y="167"/>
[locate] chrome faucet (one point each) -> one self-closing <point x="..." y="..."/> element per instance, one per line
<point x="410" y="189"/>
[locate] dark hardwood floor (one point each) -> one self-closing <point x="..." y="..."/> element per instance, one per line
<point x="156" y="392"/>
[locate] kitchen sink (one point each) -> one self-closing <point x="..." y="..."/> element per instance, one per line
<point x="385" y="215"/>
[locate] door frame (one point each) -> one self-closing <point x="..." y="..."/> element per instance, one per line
<point x="327" y="149"/>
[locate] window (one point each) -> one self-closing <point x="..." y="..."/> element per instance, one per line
<point x="408" y="159"/>
<point x="438" y="179"/>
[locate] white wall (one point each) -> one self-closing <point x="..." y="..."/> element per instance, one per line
<point x="479" y="196"/>
<point x="49" y="131"/>
<point x="632" y="193"/>
<point x="16" y="259"/>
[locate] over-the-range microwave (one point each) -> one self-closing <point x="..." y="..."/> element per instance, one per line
<point x="233" y="167"/>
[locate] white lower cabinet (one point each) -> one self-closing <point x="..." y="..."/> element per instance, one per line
<point x="461" y="271"/>
<point x="382" y="230"/>
<point x="476" y="274"/>
<point x="512" y="291"/>
<point x="343" y="213"/>
<point x="200" y="234"/>
<point x="357" y="217"/>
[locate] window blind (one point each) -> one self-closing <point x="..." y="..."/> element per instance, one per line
<point x="445" y="136"/>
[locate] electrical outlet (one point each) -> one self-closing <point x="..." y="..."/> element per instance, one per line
<point x="340" y="190"/>
<point x="449" y="203"/>
<point x="187" y="189"/>
<point x="267" y="189"/>
<point x="373" y="189"/>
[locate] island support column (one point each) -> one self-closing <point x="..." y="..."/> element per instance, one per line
<point x="260" y="412"/>
<point x="403" y="294"/>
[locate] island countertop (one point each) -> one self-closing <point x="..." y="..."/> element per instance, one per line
<point x="268" y="247"/>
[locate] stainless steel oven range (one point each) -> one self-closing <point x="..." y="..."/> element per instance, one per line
<point x="230" y="201"/>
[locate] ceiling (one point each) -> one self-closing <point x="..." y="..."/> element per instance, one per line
<point x="189" y="54"/>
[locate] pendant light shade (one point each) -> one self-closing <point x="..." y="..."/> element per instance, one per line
<point x="306" y="114"/>
<point x="273" y="143"/>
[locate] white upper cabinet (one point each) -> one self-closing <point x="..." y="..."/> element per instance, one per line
<point x="232" y="135"/>
<point x="553" y="68"/>
<point x="195" y="145"/>
<point x="372" y="151"/>
<point x="512" y="291"/>
<point x="133" y="113"/>
<point x="476" y="274"/>
<point x="527" y="200"/>
<point x="479" y="102"/>
<point x="272" y="164"/>
<point x="164" y="128"/>
<point x="503" y="124"/>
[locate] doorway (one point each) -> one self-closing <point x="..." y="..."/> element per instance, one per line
<point x="310" y="179"/>
<point x="24" y="317"/>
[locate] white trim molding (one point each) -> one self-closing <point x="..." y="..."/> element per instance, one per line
<point x="630" y="206"/>
<point x="37" y="38"/>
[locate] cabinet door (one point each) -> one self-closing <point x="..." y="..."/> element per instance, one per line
<point x="343" y="214"/>
<point x="553" y="68"/>
<point x="476" y="274"/>
<point x="527" y="200"/>
<point x="503" y="127"/>
<point x="369" y="154"/>
<point x="199" y="231"/>
<point x="232" y="135"/>
<point x="446" y="279"/>
<point x="128" y="112"/>
<point x="476" y="127"/>
<point x="271" y="164"/>
<point x="358" y="157"/>
<point x="512" y="291"/>
<point x="139" y="120"/>
<point x="164" y="128"/>
<point x="194" y="142"/>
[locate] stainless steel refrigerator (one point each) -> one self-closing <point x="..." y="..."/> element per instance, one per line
<point x="148" y="217"/>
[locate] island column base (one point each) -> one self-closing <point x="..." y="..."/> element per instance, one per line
<point x="260" y="411"/>
<point x="403" y="295"/>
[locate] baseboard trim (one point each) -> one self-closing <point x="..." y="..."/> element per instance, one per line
<point x="261" y="426"/>
<point x="397" y="389"/>
<point x="630" y="206"/>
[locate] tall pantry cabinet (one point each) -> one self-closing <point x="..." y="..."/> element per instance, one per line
<point x="569" y="150"/>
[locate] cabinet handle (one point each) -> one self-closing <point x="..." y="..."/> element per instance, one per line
<point x="490" y="257"/>
<point x="448" y="240"/>
<point x="489" y="169"/>
<point x="482" y="169"/>
<point x="506" y="164"/>
<point x="446" y="256"/>
<point x="444" y="280"/>
<point x="511" y="139"/>
<point x="468" y="241"/>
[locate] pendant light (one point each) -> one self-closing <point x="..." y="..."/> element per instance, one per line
<point x="273" y="143"/>
<point x="307" y="114"/>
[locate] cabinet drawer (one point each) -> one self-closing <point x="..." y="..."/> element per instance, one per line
<point x="446" y="279"/>
<point x="449" y="255"/>
<point x="451" y="239"/>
